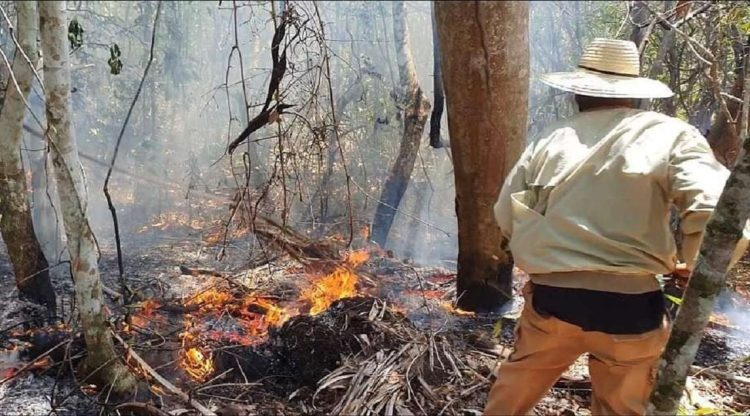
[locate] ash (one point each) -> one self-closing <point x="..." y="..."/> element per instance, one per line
<point x="32" y="395"/>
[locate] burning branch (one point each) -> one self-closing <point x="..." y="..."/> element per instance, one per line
<point x="161" y="380"/>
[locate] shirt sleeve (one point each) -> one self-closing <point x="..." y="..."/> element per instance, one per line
<point x="697" y="181"/>
<point x="514" y="182"/>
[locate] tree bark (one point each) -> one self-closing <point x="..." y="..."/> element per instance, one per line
<point x="485" y="51"/>
<point x="72" y="191"/>
<point x="722" y="234"/>
<point x="416" y="110"/>
<point x="16" y="225"/>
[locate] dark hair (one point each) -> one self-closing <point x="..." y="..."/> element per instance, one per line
<point x="587" y="102"/>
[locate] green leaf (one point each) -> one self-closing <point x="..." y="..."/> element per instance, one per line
<point x="674" y="299"/>
<point x="497" y="331"/>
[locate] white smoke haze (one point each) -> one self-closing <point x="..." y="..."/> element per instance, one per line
<point x="173" y="159"/>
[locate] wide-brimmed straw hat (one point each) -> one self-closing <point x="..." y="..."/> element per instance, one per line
<point x="608" y="68"/>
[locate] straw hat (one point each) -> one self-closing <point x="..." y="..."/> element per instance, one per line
<point x="608" y="68"/>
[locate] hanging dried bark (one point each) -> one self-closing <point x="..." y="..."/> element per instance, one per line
<point x="439" y="94"/>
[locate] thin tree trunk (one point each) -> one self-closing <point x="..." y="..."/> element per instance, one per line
<point x="723" y="137"/>
<point x="16" y="225"/>
<point x="666" y="49"/>
<point x="722" y="234"/>
<point x="321" y="194"/>
<point x="416" y="110"/>
<point x="640" y="27"/>
<point x="71" y="188"/>
<point x="745" y="113"/>
<point x="485" y="49"/>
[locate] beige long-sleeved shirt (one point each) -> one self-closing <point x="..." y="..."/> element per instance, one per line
<point x="593" y="195"/>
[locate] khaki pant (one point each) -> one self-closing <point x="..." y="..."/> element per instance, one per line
<point x="621" y="366"/>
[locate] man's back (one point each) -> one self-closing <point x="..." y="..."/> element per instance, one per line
<point x="594" y="193"/>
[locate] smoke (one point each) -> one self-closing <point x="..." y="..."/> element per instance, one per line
<point x="192" y="104"/>
<point x="734" y="307"/>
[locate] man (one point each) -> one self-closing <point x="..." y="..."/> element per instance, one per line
<point x="587" y="214"/>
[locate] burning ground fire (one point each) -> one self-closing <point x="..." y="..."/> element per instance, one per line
<point x="249" y="318"/>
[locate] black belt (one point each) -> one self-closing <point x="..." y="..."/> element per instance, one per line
<point x="608" y="312"/>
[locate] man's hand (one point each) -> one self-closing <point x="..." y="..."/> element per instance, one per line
<point x="681" y="274"/>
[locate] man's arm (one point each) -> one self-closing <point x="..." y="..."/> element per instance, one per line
<point x="697" y="180"/>
<point x="514" y="182"/>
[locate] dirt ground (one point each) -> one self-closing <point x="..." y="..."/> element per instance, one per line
<point x="153" y="270"/>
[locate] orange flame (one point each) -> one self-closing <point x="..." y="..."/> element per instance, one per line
<point x="342" y="283"/>
<point x="448" y="306"/>
<point x="199" y="365"/>
<point x="274" y="315"/>
<point x="211" y="299"/>
<point x="256" y="314"/>
<point x="721" y="319"/>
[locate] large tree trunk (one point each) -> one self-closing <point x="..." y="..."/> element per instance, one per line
<point x="29" y="264"/>
<point x="72" y="191"/>
<point x="485" y="52"/>
<point x="722" y="234"/>
<point x="416" y="110"/>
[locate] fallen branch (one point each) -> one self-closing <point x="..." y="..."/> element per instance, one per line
<point x="32" y="362"/>
<point x="111" y="292"/>
<point x="696" y="371"/>
<point x="141" y="408"/>
<point x="585" y="383"/>
<point x="197" y="272"/>
<point x="161" y="380"/>
<point x="292" y="242"/>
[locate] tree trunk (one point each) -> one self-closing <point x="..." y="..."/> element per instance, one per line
<point x="485" y="51"/>
<point x="723" y="231"/>
<point x="323" y="191"/>
<point x="416" y="110"/>
<point x="72" y="191"/>
<point x="721" y="137"/>
<point x="639" y="22"/>
<point x="667" y="50"/>
<point x="16" y="225"/>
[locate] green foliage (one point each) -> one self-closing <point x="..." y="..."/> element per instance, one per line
<point x="115" y="64"/>
<point x="75" y="34"/>
<point x="497" y="330"/>
<point x="741" y="17"/>
<point x="674" y="299"/>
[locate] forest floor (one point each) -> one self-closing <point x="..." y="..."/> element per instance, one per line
<point x="243" y="336"/>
